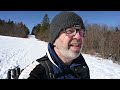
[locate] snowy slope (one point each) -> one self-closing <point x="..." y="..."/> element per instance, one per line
<point x="21" y="52"/>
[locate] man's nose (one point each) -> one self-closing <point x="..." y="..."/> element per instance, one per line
<point x="77" y="36"/>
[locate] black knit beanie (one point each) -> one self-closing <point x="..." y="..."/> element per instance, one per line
<point x="63" y="20"/>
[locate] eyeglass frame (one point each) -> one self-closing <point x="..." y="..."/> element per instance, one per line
<point x="82" y="32"/>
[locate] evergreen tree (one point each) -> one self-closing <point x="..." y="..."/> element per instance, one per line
<point x="36" y="29"/>
<point x="45" y="22"/>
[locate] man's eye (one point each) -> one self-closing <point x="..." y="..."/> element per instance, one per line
<point x="70" y="31"/>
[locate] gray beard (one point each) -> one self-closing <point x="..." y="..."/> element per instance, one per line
<point x="68" y="54"/>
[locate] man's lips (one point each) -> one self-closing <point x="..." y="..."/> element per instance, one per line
<point x="76" y="45"/>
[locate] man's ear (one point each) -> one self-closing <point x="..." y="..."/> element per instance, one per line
<point x="54" y="44"/>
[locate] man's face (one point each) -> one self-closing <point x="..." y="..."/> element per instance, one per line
<point x="70" y="42"/>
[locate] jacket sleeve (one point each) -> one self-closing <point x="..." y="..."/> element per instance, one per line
<point x="25" y="74"/>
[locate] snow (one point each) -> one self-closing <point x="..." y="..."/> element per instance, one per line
<point x="21" y="52"/>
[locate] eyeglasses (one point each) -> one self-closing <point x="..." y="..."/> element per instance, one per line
<point x="72" y="31"/>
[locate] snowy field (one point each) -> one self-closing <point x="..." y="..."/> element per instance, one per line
<point x="21" y="52"/>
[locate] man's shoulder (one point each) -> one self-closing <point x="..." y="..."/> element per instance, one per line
<point x="25" y="73"/>
<point x="45" y="57"/>
<point x="80" y="60"/>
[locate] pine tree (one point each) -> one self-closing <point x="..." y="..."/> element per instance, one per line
<point x="45" y="22"/>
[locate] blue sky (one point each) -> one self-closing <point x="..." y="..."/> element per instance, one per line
<point x="32" y="18"/>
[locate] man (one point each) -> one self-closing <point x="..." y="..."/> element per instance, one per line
<point x="63" y="56"/>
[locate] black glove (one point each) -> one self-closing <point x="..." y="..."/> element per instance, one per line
<point x="13" y="73"/>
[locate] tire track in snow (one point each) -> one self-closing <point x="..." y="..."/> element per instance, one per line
<point x="25" y="52"/>
<point x="12" y="53"/>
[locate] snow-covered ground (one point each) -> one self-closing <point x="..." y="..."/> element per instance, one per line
<point x="21" y="52"/>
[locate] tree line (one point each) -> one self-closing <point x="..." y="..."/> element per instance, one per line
<point x="41" y="30"/>
<point x="103" y="41"/>
<point x="10" y="28"/>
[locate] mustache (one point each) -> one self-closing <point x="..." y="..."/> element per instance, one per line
<point x="75" y="42"/>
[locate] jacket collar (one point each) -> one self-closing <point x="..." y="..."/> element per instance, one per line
<point x="57" y="62"/>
